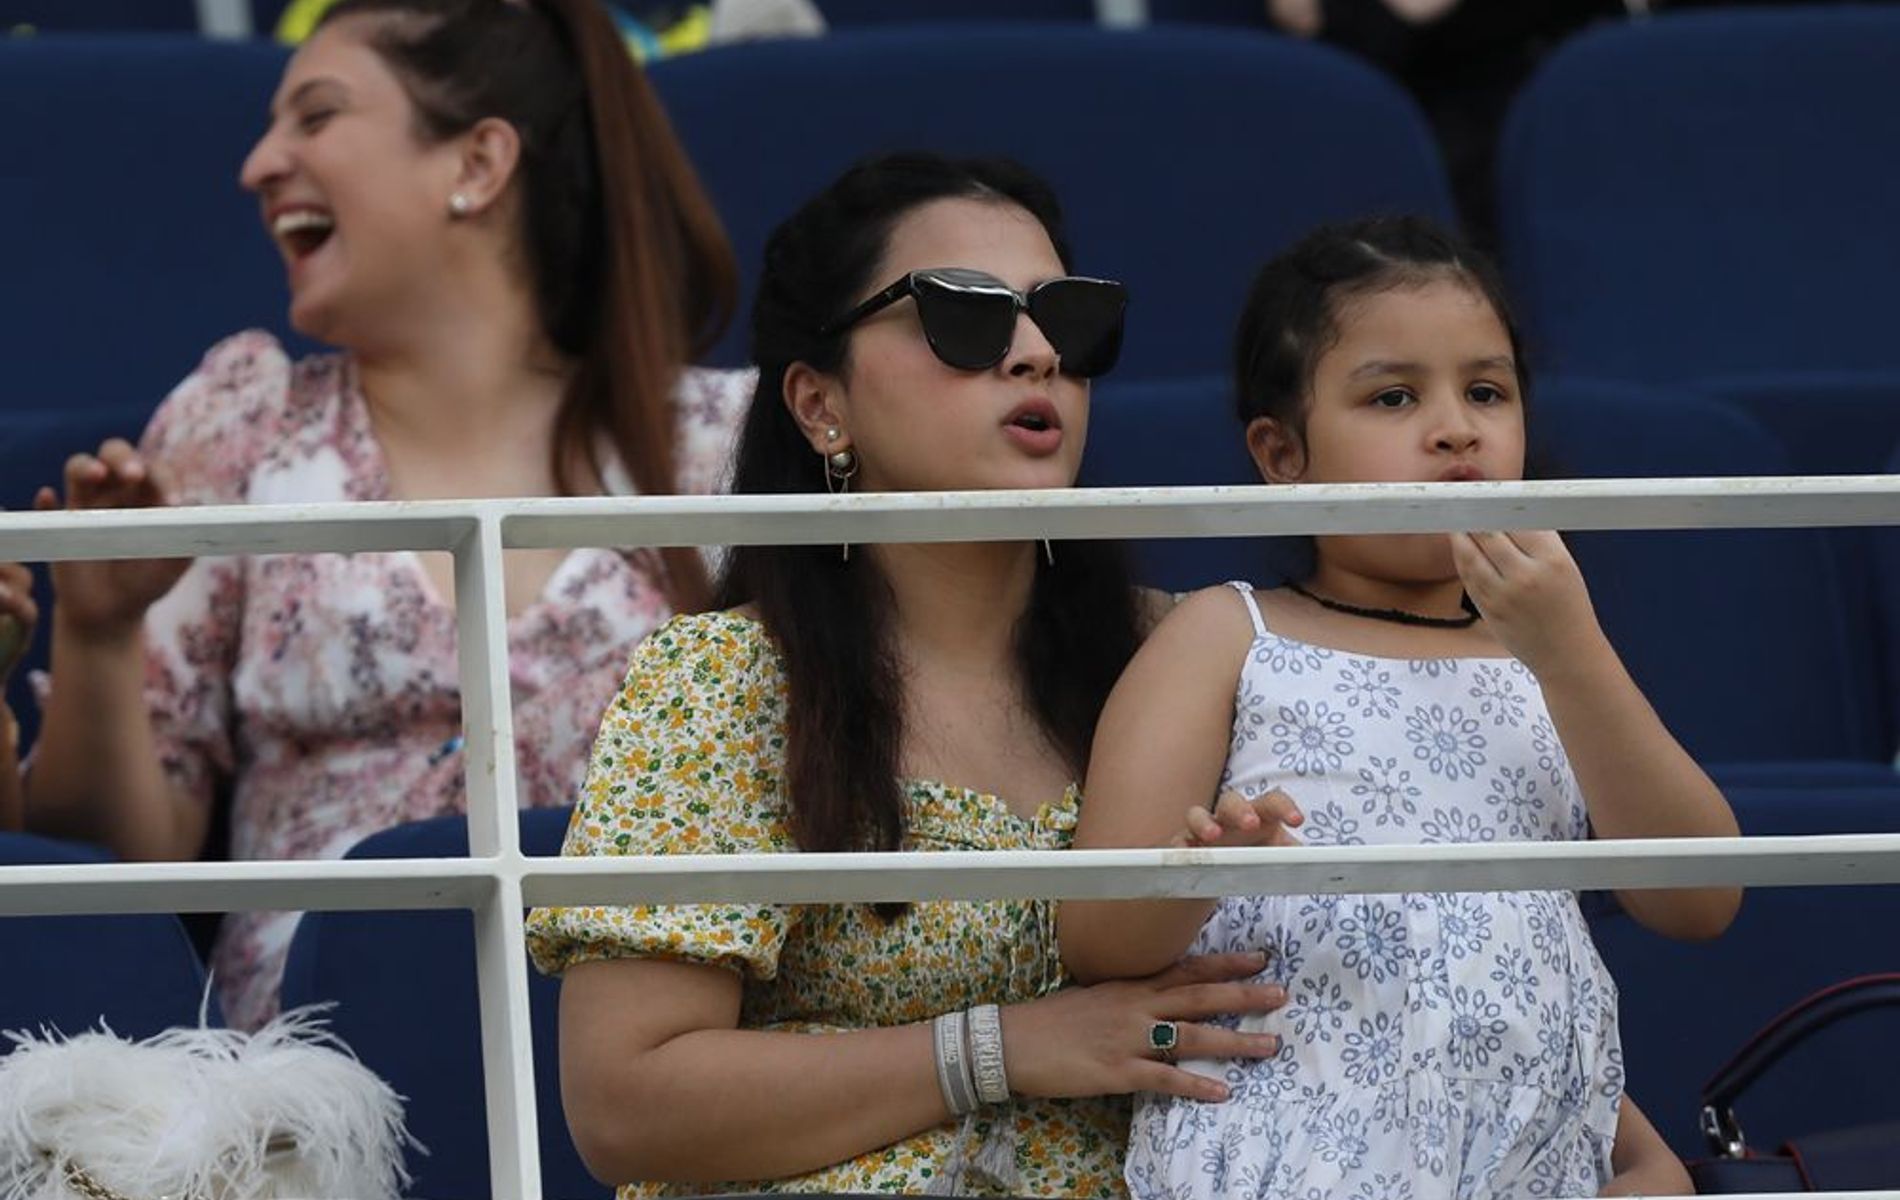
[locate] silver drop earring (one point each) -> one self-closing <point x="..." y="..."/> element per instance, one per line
<point x="840" y="466"/>
<point x="1048" y="552"/>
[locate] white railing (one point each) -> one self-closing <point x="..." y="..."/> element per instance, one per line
<point x="497" y="882"/>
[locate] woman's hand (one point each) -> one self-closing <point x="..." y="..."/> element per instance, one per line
<point x="1531" y="594"/>
<point x="107" y="599"/>
<point x="1265" y="820"/>
<point x="1094" y="1041"/>
<point x="18" y="616"/>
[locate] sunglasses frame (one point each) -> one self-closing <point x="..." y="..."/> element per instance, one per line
<point x="968" y="281"/>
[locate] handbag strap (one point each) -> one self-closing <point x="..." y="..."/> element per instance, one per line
<point x="1773" y="1042"/>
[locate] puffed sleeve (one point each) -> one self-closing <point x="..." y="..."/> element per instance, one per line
<point x="689" y="760"/>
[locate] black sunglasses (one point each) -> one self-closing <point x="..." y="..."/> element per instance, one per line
<point x="969" y="317"/>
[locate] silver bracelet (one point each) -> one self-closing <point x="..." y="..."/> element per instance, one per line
<point x="949" y="1033"/>
<point x="986" y="1054"/>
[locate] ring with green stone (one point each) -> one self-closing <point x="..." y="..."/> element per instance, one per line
<point x="1163" y="1037"/>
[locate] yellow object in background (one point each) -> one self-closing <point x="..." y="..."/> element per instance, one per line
<point x="300" y="19"/>
<point x="689" y="33"/>
<point x="693" y="31"/>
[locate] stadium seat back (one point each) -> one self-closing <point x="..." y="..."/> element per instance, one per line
<point x="136" y="973"/>
<point x="98" y="16"/>
<point x="848" y="14"/>
<point x="404" y="986"/>
<point x="1183" y="157"/>
<point x="126" y="245"/>
<point x="1709" y="194"/>
<point x="1181" y="433"/>
<point x="1687" y="1007"/>
<point x="1738" y="637"/>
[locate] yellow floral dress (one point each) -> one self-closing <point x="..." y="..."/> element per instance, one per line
<point x="690" y="761"/>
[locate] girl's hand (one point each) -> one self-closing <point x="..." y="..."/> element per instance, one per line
<point x="18" y="616"/>
<point x="1094" y="1041"/>
<point x="107" y="600"/>
<point x="1642" y="1164"/>
<point x="1265" y="820"/>
<point x="1531" y="594"/>
<point x="1649" y="1182"/>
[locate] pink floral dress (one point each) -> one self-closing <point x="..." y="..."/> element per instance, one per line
<point x="320" y="689"/>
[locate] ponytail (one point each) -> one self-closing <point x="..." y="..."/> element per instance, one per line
<point x="632" y="274"/>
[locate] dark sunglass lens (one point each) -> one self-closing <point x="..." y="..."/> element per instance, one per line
<point x="1082" y="318"/>
<point x="968" y="329"/>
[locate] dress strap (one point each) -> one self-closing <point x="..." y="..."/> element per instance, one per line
<point x="1253" y="608"/>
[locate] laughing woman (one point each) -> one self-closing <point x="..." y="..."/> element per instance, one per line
<point x="481" y="204"/>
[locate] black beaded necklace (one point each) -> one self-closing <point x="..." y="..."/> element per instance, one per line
<point x="1397" y="616"/>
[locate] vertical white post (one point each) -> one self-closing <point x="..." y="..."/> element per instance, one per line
<point x="488" y="715"/>
<point x="501" y="965"/>
<point x="224" y="18"/>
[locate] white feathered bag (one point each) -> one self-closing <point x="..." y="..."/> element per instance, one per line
<point x="198" y="1114"/>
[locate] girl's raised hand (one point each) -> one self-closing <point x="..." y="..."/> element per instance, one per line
<point x="108" y="599"/>
<point x="1265" y="820"/>
<point x="1531" y="594"/>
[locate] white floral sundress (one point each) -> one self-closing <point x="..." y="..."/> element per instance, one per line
<point x="1434" y="1045"/>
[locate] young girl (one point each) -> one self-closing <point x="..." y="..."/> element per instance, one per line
<point x="1410" y="688"/>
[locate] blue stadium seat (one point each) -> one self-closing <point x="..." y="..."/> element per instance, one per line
<point x="1250" y="13"/>
<point x="1738" y="637"/>
<point x="136" y="973"/>
<point x="126" y="246"/>
<point x="1839" y="423"/>
<point x="1185" y="157"/>
<point x="113" y="16"/>
<point x="1885" y="567"/>
<point x="1832" y="422"/>
<point x="1710" y="194"/>
<point x="847" y="14"/>
<point x="1179" y="433"/>
<point x="404" y="986"/>
<point x="1687" y="1007"/>
<point x="265" y="14"/>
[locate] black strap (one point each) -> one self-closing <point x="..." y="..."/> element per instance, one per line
<point x="1773" y="1042"/>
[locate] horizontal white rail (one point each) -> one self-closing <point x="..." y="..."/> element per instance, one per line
<point x="1122" y="874"/>
<point x="1752" y="502"/>
<point x="298" y="885"/>
<point x="497" y="882"/>
<point x="1835" y="859"/>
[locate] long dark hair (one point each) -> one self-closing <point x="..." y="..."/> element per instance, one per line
<point x="632" y="273"/>
<point x="1292" y="313"/>
<point x="831" y="620"/>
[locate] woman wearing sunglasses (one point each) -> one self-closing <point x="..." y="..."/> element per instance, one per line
<point x="917" y="328"/>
